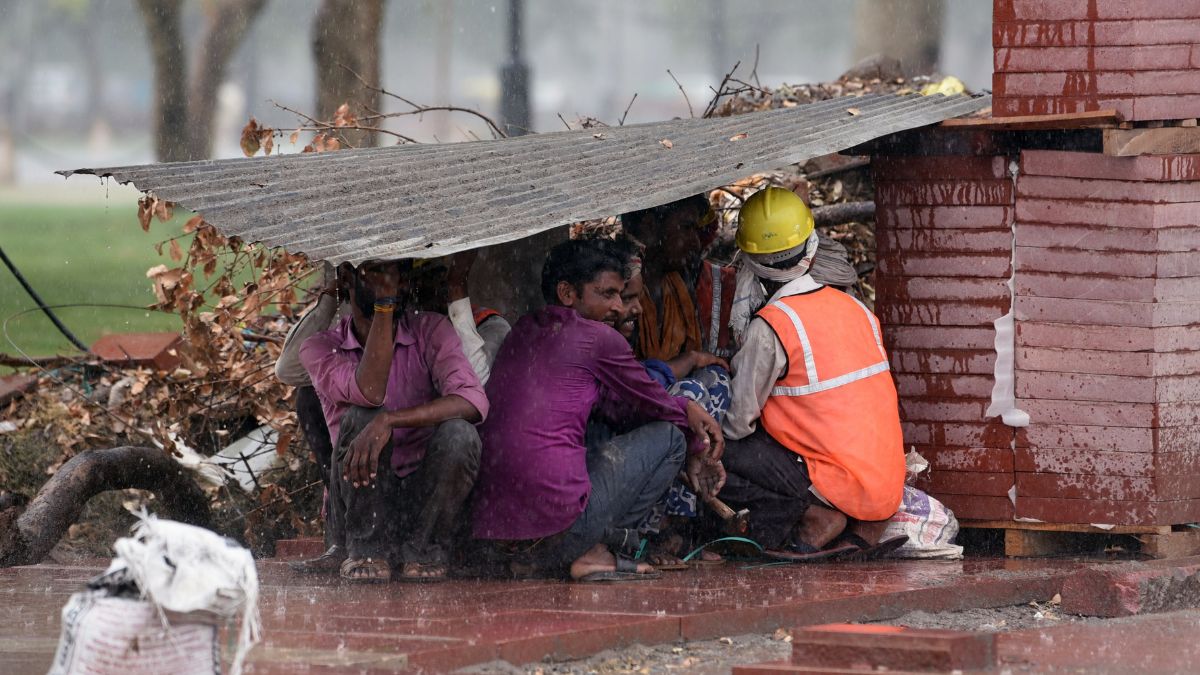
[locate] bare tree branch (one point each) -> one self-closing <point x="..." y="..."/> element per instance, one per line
<point x="685" y="96"/>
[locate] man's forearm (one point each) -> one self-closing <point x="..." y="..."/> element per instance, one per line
<point x="432" y="413"/>
<point x="372" y="372"/>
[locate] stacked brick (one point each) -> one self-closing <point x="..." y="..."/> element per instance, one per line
<point x="1108" y="341"/>
<point x="1140" y="57"/>
<point x="943" y="231"/>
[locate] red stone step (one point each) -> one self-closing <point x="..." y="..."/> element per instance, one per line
<point x="1049" y="33"/>
<point x="906" y="169"/>
<point x="304" y="547"/>
<point x="155" y="350"/>
<point x="993" y="265"/>
<point x="1134" y="588"/>
<point x="939" y="481"/>
<point x="941" y="361"/>
<point x="943" y="458"/>
<point x="913" y="289"/>
<point x="950" y="192"/>
<point x="1041" y="59"/>
<point x="880" y="647"/>
<point x="977" y="507"/>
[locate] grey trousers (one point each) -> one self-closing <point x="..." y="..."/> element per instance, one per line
<point x="409" y="519"/>
<point x="628" y="473"/>
<point x="771" y="481"/>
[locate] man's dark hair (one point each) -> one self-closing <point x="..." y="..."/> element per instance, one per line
<point x="624" y="249"/>
<point x="364" y="297"/>
<point x="634" y="221"/>
<point x="577" y="262"/>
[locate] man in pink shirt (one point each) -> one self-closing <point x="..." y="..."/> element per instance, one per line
<point x="401" y="401"/>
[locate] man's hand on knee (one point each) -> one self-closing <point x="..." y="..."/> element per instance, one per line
<point x="362" y="461"/>
<point x="705" y="476"/>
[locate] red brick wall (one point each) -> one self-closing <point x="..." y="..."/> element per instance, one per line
<point x="1140" y="57"/>
<point x="944" y="249"/>
<point x="1108" y="346"/>
<point x="1107" y="295"/>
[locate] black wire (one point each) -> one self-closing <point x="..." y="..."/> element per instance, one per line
<point x="40" y="303"/>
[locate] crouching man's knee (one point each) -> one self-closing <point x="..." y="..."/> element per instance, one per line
<point x="455" y="446"/>
<point x="353" y="422"/>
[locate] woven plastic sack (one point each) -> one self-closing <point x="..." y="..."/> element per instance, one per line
<point x="930" y="526"/>
<point x="103" y="635"/>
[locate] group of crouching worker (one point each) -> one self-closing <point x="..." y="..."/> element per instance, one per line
<point x="589" y="440"/>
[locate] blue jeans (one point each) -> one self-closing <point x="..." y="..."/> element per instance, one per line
<point x="628" y="474"/>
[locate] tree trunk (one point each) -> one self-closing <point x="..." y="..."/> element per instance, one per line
<point x="228" y="22"/>
<point x="28" y="533"/>
<point x="346" y="35"/>
<point x="163" y="31"/>
<point x="908" y="31"/>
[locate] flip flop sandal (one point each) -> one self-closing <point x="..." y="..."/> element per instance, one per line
<point x="626" y="571"/>
<point x="701" y="562"/>
<point x="864" y="550"/>
<point x="379" y="572"/>
<point x="419" y="578"/>
<point x="328" y="562"/>
<point x="676" y="566"/>
<point x="801" y="552"/>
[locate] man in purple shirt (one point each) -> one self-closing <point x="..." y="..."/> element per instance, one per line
<point x="541" y="491"/>
<point x="400" y="399"/>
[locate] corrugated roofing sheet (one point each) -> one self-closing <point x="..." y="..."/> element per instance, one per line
<point x="430" y="200"/>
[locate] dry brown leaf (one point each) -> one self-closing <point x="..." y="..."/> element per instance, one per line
<point x="854" y="111"/>
<point x="193" y="224"/>
<point x="250" y="138"/>
<point x="666" y="143"/>
<point x="738" y="137"/>
<point x="294" y="137"/>
<point x="145" y="213"/>
<point x="176" y="251"/>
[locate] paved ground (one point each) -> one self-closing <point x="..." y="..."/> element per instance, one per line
<point x="315" y="625"/>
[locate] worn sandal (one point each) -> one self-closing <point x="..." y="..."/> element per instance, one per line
<point x="328" y="562"/>
<point x="415" y="572"/>
<point x="365" y="571"/>
<point x="864" y="550"/>
<point x="627" y="570"/>
<point x="800" y="552"/>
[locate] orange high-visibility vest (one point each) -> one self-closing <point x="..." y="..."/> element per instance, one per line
<point x="714" y="302"/>
<point x="836" y="405"/>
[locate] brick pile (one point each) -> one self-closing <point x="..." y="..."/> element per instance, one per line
<point x="1140" y="57"/>
<point x="1108" y="346"/>
<point x="944" y="256"/>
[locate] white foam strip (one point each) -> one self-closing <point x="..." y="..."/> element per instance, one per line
<point x="1004" y="386"/>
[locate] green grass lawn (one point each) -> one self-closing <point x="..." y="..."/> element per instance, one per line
<point x="90" y="252"/>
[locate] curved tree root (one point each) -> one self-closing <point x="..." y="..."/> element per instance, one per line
<point x="28" y="533"/>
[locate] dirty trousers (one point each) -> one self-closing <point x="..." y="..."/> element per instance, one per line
<point x="628" y="474"/>
<point x="316" y="434"/>
<point x="409" y="519"/>
<point x="771" y="481"/>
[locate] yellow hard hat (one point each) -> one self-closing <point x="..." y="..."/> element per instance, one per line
<point x="773" y="220"/>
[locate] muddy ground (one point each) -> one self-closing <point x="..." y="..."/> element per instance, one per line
<point x="717" y="657"/>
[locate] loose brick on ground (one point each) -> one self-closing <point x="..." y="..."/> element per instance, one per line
<point x="893" y="648"/>
<point x="1133" y="588"/>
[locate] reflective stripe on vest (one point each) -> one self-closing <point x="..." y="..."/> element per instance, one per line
<point x="815" y="384"/>
<point x="714" y="330"/>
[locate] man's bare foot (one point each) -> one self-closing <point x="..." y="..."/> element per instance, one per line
<point x="819" y="526"/>
<point x="871" y="531"/>
<point x="599" y="559"/>
<point x="415" y="571"/>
